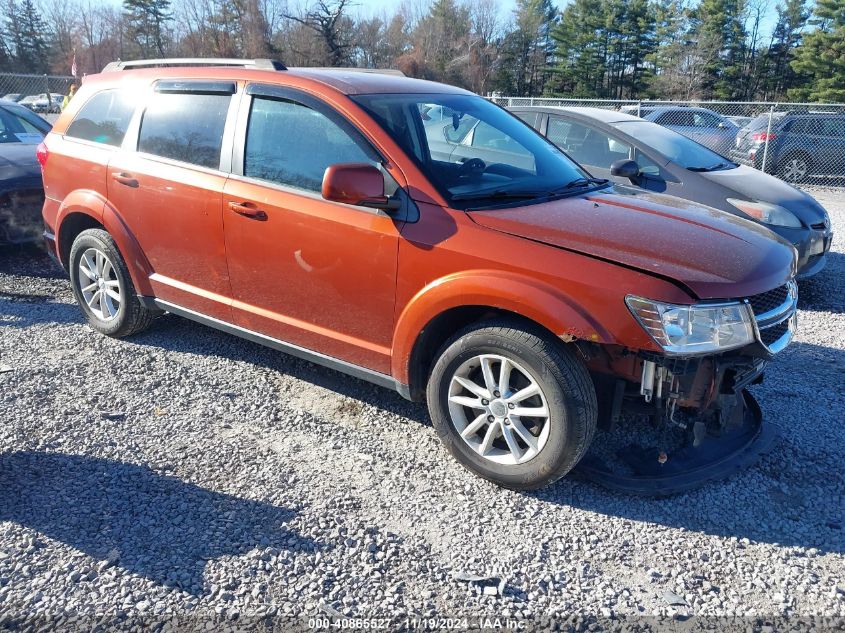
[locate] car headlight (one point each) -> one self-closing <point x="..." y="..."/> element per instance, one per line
<point x="766" y="213"/>
<point x="694" y="329"/>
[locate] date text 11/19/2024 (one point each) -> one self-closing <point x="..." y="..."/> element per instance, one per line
<point x="491" y="623"/>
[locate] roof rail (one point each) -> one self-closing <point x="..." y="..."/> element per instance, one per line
<point x="375" y="71"/>
<point x="263" y="64"/>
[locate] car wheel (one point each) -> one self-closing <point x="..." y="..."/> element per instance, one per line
<point x="794" y="169"/>
<point x="103" y="288"/>
<point x="512" y="404"/>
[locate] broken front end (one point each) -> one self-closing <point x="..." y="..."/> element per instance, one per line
<point x="671" y="421"/>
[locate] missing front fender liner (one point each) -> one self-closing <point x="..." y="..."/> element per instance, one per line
<point x="690" y="467"/>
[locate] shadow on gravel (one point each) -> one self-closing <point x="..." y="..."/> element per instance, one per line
<point x="825" y="292"/>
<point x="175" y="333"/>
<point x="23" y="310"/>
<point x="29" y="261"/>
<point x="129" y="516"/>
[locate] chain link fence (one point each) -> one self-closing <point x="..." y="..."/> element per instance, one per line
<point x="40" y="93"/>
<point x="802" y="143"/>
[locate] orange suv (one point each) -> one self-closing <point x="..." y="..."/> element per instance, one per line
<point x="417" y="236"/>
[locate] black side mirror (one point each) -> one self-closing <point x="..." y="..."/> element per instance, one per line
<point x="625" y="168"/>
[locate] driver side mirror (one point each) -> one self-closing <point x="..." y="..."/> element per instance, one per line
<point x="360" y="184"/>
<point x="625" y="168"/>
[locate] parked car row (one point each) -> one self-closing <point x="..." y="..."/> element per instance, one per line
<point x="44" y="103"/>
<point x="420" y="237"/>
<point x="795" y="145"/>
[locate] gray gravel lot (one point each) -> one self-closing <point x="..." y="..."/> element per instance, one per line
<point x="188" y="472"/>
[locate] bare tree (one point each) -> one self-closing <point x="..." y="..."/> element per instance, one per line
<point x="327" y="18"/>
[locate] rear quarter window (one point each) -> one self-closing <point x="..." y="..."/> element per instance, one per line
<point x="103" y="119"/>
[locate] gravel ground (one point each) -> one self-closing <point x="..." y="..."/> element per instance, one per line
<point x="189" y="473"/>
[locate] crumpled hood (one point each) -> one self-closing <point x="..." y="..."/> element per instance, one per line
<point x="716" y="255"/>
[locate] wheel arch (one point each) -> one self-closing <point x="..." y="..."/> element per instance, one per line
<point x="85" y="209"/>
<point x="447" y="305"/>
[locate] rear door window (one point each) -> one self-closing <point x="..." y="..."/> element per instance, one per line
<point x="705" y="119"/>
<point x="675" y="117"/>
<point x="187" y="127"/>
<point x="103" y="119"/>
<point x="833" y="127"/>
<point x="531" y="118"/>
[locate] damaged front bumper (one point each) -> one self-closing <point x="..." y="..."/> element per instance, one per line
<point x="690" y="466"/>
<point x="672" y="423"/>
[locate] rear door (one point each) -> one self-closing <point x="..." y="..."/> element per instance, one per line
<point x="168" y="187"/>
<point x="317" y="274"/>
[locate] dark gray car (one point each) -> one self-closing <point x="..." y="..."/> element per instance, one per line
<point x="21" y="190"/>
<point x="628" y="149"/>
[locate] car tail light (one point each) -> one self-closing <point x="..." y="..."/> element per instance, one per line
<point x="762" y="137"/>
<point x="42" y="154"/>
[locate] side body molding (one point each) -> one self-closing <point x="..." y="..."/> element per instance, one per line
<point x="504" y="290"/>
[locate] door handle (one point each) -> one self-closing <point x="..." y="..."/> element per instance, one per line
<point x="248" y="210"/>
<point x="124" y="179"/>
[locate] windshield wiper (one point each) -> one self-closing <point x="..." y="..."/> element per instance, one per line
<point x="498" y="194"/>
<point x="716" y="167"/>
<point x="505" y="194"/>
<point x="578" y="183"/>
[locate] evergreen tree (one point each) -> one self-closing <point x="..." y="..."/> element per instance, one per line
<point x="719" y="25"/>
<point x="580" y="50"/>
<point x="821" y="58"/>
<point x="603" y="48"/>
<point x="146" y="23"/>
<point x="27" y="36"/>
<point x="786" y="37"/>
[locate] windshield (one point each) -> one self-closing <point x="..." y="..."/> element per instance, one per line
<point x="676" y="147"/>
<point x="473" y="151"/>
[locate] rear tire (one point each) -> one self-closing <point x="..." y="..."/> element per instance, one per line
<point x="525" y="430"/>
<point x="103" y="288"/>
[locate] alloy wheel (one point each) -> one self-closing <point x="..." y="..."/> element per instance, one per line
<point x="499" y="409"/>
<point x="795" y="169"/>
<point x="99" y="284"/>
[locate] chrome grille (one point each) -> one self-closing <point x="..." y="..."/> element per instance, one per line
<point x="771" y="335"/>
<point x="774" y="313"/>
<point x="767" y="301"/>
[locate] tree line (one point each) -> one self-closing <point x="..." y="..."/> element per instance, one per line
<point x="602" y="49"/>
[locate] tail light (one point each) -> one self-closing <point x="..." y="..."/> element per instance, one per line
<point x="763" y="137"/>
<point x="42" y="154"/>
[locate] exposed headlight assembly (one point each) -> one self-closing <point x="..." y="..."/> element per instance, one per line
<point x="766" y="213"/>
<point x="683" y="330"/>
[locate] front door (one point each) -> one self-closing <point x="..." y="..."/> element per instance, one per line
<point x="318" y="274"/>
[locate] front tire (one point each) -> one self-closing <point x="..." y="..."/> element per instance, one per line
<point x="103" y="288"/>
<point x="512" y="404"/>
